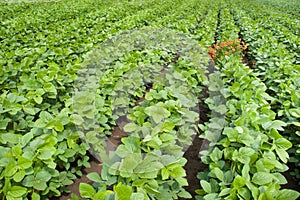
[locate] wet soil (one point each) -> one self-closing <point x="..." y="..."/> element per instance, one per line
<point x="193" y="166"/>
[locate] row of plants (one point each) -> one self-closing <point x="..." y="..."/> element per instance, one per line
<point x="165" y="177"/>
<point x="41" y="152"/>
<point x="247" y="153"/>
<point x="290" y="7"/>
<point x="276" y="67"/>
<point x="163" y="186"/>
<point x="149" y="163"/>
<point x="279" y="17"/>
<point x="283" y="34"/>
<point x="199" y="21"/>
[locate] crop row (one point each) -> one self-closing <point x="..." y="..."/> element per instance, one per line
<point x="149" y="164"/>
<point x="276" y="66"/>
<point x="282" y="33"/>
<point x="248" y="154"/>
<point x="164" y="177"/>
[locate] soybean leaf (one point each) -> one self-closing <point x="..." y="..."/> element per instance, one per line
<point x="276" y="124"/>
<point x="262" y="178"/>
<point x="205" y="186"/>
<point x="123" y="192"/>
<point x="94" y="176"/>
<point x="283" y="143"/>
<point x="17" y="191"/>
<point x="157" y="113"/>
<point x="288" y="194"/>
<point x="86" y="190"/>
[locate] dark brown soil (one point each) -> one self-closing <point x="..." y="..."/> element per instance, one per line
<point x="292" y="181"/>
<point x="74" y="188"/>
<point x="193" y="166"/>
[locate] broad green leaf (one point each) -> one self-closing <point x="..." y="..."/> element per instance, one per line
<point x="295" y="112"/>
<point x="38" y="99"/>
<point x="155" y="142"/>
<point x="43" y="175"/>
<point x="16" y="150"/>
<point x="185" y="194"/>
<point x="191" y="116"/>
<point x="205" y="186"/>
<point x="216" y="154"/>
<point x="137" y="196"/>
<point x="131" y="127"/>
<point x="224" y="192"/>
<point x="46" y="116"/>
<point x="18" y="177"/>
<point x="10" y="138"/>
<point x="231" y="133"/>
<point x="168" y="126"/>
<point x="57" y="125"/>
<point x="178" y="172"/>
<point x="77" y="119"/>
<point x="29" y="110"/>
<point x="129" y="163"/>
<point x="14" y="98"/>
<point x="244" y="193"/>
<point x="239" y="181"/>
<point x="40" y="123"/>
<point x="246" y="139"/>
<point x="123" y="192"/>
<point x="283" y="143"/>
<point x="4" y="122"/>
<point x="139" y="182"/>
<point x="276" y="124"/>
<point x="244" y="154"/>
<point x="165" y="173"/>
<point x="281" y="179"/>
<point x="283" y="155"/>
<point x="17" y="191"/>
<point x="35" y="196"/>
<point x="262" y="178"/>
<point x="211" y="196"/>
<point x="93" y="176"/>
<point x="149" y="96"/>
<point x="46" y="153"/>
<point x="219" y="173"/>
<point x="148" y="166"/>
<point x="168" y="160"/>
<point x="287" y="194"/>
<point x="228" y="177"/>
<point x="157" y="113"/>
<point x="39" y="181"/>
<point x="11" y="169"/>
<point x="182" y="181"/>
<point x="102" y="194"/>
<point x="26" y="139"/>
<point x="86" y="190"/>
